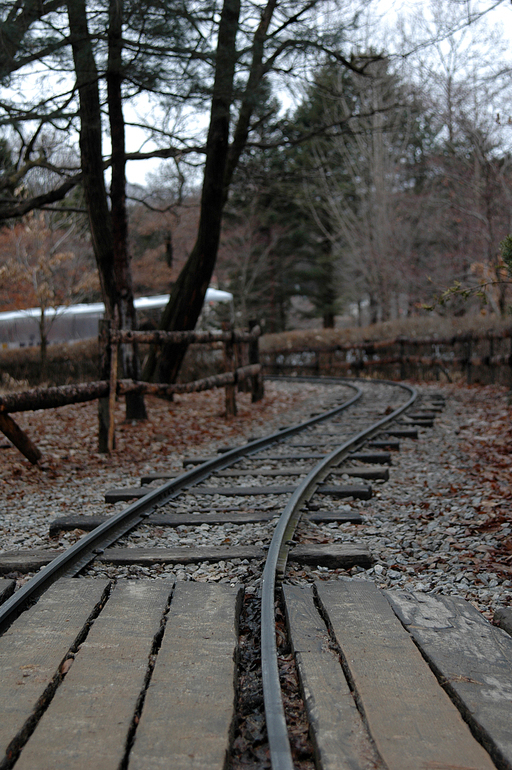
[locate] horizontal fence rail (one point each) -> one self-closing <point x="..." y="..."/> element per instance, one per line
<point x="241" y="365"/>
<point x="485" y="358"/>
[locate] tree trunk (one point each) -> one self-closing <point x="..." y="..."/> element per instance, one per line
<point x="189" y="291"/>
<point x="110" y="249"/>
<point x="135" y="408"/>
<point x="91" y="151"/>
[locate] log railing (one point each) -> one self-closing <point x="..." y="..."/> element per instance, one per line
<point x="484" y="357"/>
<point x="241" y="347"/>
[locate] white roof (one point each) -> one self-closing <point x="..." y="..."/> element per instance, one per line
<point x="98" y="308"/>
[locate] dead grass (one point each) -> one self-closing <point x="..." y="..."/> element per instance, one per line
<point x="416" y="326"/>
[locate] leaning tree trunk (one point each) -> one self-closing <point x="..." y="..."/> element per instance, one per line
<point x="135" y="408"/>
<point x="110" y="249"/>
<point x="91" y="151"/>
<point x="189" y="291"/>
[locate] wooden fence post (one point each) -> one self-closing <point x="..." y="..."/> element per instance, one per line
<point x="114" y="354"/>
<point x="106" y="437"/>
<point x="258" y="389"/>
<point x="229" y="366"/>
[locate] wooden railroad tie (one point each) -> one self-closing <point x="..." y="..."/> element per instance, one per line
<point x="361" y="472"/>
<point x="377" y="458"/>
<point x="329" y="555"/>
<point x="229" y="516"/>
<point x="136" y="493"/>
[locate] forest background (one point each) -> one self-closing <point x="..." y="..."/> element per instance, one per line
<point x="326" y="162"/>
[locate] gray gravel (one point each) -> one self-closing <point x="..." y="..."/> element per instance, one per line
<point x="419" y="526"/>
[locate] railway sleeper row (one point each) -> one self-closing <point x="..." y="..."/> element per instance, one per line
<point x="142" y="674"/>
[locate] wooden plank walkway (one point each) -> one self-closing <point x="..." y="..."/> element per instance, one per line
<point x="142" y="675"/>
<point x="75" y="670"/>
<point x="367" y="686"/>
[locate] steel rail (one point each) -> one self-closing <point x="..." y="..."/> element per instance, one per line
<point x="85" y="550"/>
<point x="280" y="752"/>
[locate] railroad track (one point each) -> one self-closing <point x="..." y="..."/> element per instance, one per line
<point x="260" y="490"/>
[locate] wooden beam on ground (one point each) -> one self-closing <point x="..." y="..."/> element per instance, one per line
<point x="89" y="720"/>
<point x="260" y="457"/>
<point x="326" y="555"/>
<point x="32" y="652"/>
<point x="136" y="493"/>
<point x="391" y="444"/>
<point x="188" y="713"/>
<point x="6" y="589"/>
<point x="339" y="736"/>
<point x="88" y="523"/>
<point x="19" y="438"/>
<point x="411" y="719"/>
<point x="361" y="472"/>
<point x="472" y="658"/>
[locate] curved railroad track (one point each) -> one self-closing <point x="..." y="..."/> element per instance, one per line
<point x="326" y="458"/>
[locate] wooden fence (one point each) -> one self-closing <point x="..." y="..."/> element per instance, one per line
<point x="242" y="370"/>
<point x="485" y="358"/>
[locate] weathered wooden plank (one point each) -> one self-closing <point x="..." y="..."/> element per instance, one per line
<point x="330" y="554"/>
<point x="88" y="721"/>
<point x="25" y="561"/>
<point x="32" y="651"/>
<point x="357" y="492"/>
<point x="187" y="717"/>
<point x="339" y="736"/>
<point x="361" y="472"/>
<point x="263" y="458"/>
<point x="391" y="444"/>
<point x="130" y="493"/>
<point x="473" y="658"/>
<point x="6" y="589"/>
<point x="378" y="458"/>
<point x="351" y="517"/>
<point x="125" y="494"/>
<point x="410" y="717"/>
<point x="503" y="619"/>
<point x="402" y="432"/>
<point x="88" y="523"/>
<point x="420" y="421"/>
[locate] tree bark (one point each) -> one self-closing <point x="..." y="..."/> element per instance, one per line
<point x="19" y="438"/>
<point x="135" y="408"/>
<point x="50" y="398"/>
<point x="91" y="150"/>
<point x="189" y="291"/>
<point x="187" y="297"/>
<point x="108" y="230"/>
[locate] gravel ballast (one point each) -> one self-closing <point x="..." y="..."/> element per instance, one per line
<point x="440" y="524"/>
